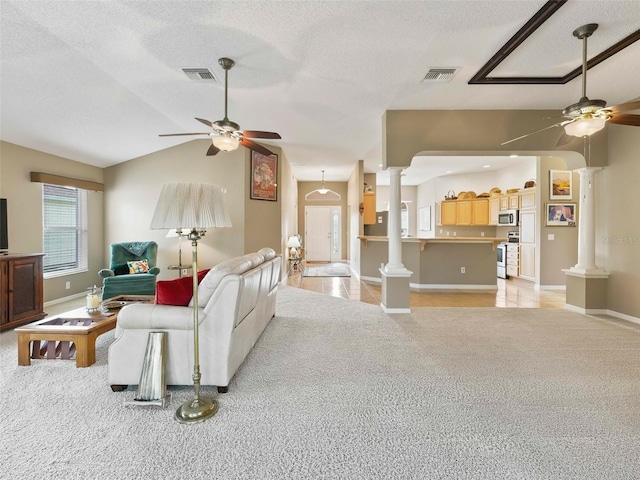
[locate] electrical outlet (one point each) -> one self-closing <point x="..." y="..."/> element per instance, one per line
<point x="454" y="234"/>
<point x="67" y="285"/>
<point x="463" y="270"/>
<point x="482" y="234"/>
<point x="185" y="272"/>
<point x="379" y="219"/>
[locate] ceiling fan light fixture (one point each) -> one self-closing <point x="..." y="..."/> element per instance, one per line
<point x="225" y="143"/>
<point x="585" y="127"/>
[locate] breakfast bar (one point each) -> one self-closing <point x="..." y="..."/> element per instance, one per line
<point x="436" y="262"/>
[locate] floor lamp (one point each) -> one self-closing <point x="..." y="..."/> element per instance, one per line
<point x="192" y="207"/>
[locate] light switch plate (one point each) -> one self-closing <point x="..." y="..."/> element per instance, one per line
<point x="551" y="236"/>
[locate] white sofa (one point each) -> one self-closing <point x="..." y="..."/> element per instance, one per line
<point x="237" y="299"/>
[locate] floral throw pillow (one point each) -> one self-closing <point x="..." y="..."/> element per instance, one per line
<point x="139" y="266"/>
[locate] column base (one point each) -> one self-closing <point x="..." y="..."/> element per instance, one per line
<point x="586" y="289"/>
<point x="395" y="291"/>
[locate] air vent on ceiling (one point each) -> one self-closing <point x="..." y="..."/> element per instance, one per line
<point x="200" y="74"/>
<point x="440" y="74"/>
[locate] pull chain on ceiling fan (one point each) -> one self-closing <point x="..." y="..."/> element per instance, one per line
<point x="590" y="116"/>
<point x="225" y="134"/>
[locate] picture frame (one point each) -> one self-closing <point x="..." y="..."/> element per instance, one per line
<point x="560" y="185"/>
<point x="264" y="177"/>
<point x="561" y="215"/>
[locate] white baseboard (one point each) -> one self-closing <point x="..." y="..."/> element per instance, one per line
<point x="394" y="310"/>
<point x="602" y="311"/>
<point x="434" y="286"/>
<point x="64" y="299"/>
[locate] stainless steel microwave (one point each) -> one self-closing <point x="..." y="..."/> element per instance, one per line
<point x="508" y="218"/>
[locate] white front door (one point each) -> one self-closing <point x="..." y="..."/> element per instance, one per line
<point x="323" y="234"/>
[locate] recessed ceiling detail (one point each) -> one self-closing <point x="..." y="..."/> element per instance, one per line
<point x="200" y="75"/>
<point x="440" y="74"/>
<point x="541" y="16"/>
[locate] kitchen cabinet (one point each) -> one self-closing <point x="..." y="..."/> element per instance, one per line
<point x="528" y="261"/>
<point x="464" y="212"/>
<point x="369" y="215"/>
<point x="513" y="200"/>
<point x="528" y="198"/>
<point x="513" y="259"/>
<point x="21" y="282"/>
<point x="448" y="213"/>
<point x="480" y="212"/>
<point x="504" y="202"/>
<point x="494" y="208"/>
<point x="528" y="244"/>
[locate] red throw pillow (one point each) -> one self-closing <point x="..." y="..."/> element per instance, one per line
<point x="177" y="292"/>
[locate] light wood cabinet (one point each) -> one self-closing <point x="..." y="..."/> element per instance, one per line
<point x="513" y="259"/>
<point x="494" y="208"/>
<point x="480" y="214"/>
<point x="369" y="215"/>
<point x="528" y="198"/>
<point x="504" y="202"/>
<point x="464" y="212"/>
<point x="514" y="201"/>
<point x="21" y="282"/>
<point x="448" y="213"/>
<point x="528" y="261"/>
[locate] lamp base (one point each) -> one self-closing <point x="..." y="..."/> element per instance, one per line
<point x="196" y="410"/>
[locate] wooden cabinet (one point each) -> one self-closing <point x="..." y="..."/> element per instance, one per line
<point x="494" y="208"/>
<point x="480" y="212"/>
<point x="464" y="212"/>
<point x="513" y="201"/>
<point x="528" y="261"/>
<point x="448" y="213"/>
<point x="528" y="198"/>
<point x="21" y="282"/>
<point x="528" y="244"/>
<point x="504" y="202"/>
<point x="369" y="208"/>
<point x="513" y="259"/>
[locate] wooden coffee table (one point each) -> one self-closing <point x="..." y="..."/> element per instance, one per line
<point x="70" y="333"/>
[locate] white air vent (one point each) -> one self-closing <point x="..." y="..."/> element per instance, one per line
<point x="200" y="74"/>
<point x="440" y="74"/>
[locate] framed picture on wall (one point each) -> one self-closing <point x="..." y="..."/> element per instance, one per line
<point x="561" y="215"/>
<point x="264" y="177"/>
<point x="560" y="185"/>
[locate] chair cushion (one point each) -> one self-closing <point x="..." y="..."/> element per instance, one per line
<point x="178" y="291"/>
<point x="121" y="269"/>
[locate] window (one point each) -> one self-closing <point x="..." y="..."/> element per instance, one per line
<point x="65" y="230"/>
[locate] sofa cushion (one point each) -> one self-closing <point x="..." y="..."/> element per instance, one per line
<point x="267" y="253"/>
<point x="233" y="266"/>
<point x="255" y="259"/>
<point x="178" y="291"/>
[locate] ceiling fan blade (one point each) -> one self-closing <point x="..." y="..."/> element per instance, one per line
<point x="245" y="142"/>
<point x="206" y="122"/>
<point x="258" y="134"/>
<point x="625" y="119"/>
<point x="212" y="150"/>
<point x="625" y="107"/>
<point x="560" y="124"/>
<point x="178" y="134"/>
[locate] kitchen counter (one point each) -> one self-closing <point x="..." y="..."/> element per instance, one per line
<point x="494" y="241"/>
<point x="437" y="262"/>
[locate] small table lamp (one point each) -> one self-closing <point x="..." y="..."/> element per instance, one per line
<point x="192" y="207"/>
<point x="294" y="244"/>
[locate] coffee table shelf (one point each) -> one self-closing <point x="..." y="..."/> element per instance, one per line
<point x="70" y="333"/>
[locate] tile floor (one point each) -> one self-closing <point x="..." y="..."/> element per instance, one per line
<point x="513" y="293"/>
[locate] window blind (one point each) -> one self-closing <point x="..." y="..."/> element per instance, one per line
<point x="65" y="230"/>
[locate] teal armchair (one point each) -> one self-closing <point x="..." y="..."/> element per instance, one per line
<point x="118" y="279"/>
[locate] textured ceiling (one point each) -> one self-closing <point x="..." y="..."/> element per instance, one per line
<point x="98" y="81"/>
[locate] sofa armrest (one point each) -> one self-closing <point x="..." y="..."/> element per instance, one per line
<point x="105" y="272"/>
<point x="151" y="316"/>
<point x="154" y="271"/>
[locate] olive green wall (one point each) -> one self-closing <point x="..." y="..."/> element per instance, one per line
<point x="24" y="205"/>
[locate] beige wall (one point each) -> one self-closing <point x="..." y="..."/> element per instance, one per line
<point x="618" y="220"/>
<point x="132" y="190"/>
<point x="288" y="188"/>
<point x="24" y="205"/>
<point x="356" y="222"/>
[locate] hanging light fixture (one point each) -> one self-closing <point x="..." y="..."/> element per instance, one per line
<point x="226" y="143"/>
<point x="585" y="126"/>
<point x="323" y="191"/>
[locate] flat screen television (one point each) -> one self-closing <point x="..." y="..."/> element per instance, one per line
<point x="4" y="236"/>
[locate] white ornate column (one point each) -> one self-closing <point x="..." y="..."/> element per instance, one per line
<point x="587" y="224"/>
<point x="586" y="283"/>
<point x="394" y="227"/>
<point x="395" y="277"/>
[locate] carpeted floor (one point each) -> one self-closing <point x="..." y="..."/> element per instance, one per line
<point x="328" y="270"/>
<point x="338" y="390"/>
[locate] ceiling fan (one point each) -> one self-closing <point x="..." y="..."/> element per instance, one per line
<point x="590" y="116"/>
<point x="225" y="134"/>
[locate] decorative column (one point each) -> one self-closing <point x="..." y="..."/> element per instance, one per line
<point x="395" y="277"/>
<point x="586" y="282"/>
